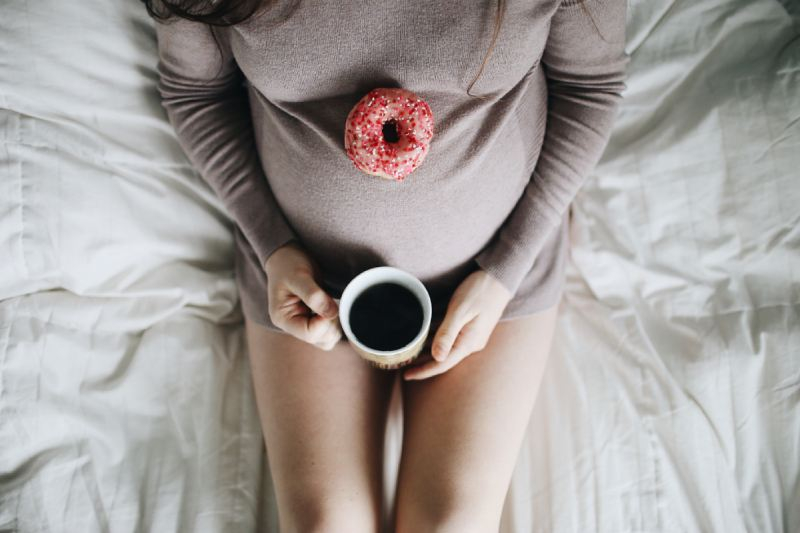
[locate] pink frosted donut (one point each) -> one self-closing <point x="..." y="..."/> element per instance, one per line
<point x="387" y="133"/>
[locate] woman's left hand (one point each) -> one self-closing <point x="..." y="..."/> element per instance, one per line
<point x="472" y="314"/>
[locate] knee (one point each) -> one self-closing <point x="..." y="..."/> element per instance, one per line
<point x="454" y="517"/>
<point x="467" y="523"/>
<point x="330" y="515"/>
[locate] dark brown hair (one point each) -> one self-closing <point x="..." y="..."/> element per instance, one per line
<point x="229" y="12"/>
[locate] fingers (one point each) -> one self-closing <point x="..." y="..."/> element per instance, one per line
<point x="465" y="344"/>
<point x="290" y="302"/>
<point x="430" y="369"/>
<point x="331" y="335"/>
<point x="316" y="329"/>
<point x="332" y="340"/>
<point x="455" y="319"/>
<point x="319" y="301"/>
<point x="460" y="350"/>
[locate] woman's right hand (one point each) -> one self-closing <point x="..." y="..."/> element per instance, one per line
<point x="297" y="304"/>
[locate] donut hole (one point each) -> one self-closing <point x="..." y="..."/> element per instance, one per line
<point x="390" y="132"/>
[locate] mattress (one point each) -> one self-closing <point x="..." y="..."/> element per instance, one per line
<point x="671" y="401"/>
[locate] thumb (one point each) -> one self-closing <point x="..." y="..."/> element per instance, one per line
<point x="446" y="335"/>
<point x="319" y="301"/>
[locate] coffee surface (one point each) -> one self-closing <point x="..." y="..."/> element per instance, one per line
<point x="386" y="316"/>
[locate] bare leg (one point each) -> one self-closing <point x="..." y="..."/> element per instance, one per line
<point x="463" y="430"/>
<point x="323" y="415"/>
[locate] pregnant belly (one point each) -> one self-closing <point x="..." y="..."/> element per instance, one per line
<point x="431" y="224"/>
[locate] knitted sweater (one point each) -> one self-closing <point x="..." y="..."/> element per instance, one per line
<point x="260" y="110"/>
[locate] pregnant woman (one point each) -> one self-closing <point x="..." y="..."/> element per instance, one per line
<point x="523" y="94"/>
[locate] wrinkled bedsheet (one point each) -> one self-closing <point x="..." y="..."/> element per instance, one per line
<point x="671" y="402"/>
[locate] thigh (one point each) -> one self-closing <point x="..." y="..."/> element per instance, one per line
<point x="323" y="415"/>
<point x="463" y="429"/>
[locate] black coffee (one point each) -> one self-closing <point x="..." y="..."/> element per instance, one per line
<point x="386" y="316"/>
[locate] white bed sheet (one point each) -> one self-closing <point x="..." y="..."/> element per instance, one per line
<point x="124" y="391"/>
<point x="672" y="399"/>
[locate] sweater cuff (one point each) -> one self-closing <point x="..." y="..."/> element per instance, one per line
<point x="278" y="238"/>
<point x="510" y="261"/>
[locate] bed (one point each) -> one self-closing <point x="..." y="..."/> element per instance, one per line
<point x="671" y="402"/>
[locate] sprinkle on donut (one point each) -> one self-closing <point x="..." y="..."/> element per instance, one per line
<point x="388" y="132"/>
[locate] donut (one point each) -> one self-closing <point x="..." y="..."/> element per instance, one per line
<point x="387" y="133"/>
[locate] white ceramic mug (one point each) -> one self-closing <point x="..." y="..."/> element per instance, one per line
<point x="387" y="359"/>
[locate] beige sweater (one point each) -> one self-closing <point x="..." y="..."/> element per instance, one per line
<point x="261" y="113"/>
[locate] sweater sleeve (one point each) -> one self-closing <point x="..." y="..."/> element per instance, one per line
<point x="203" y="93"/>
<point x="584" y="64"/>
